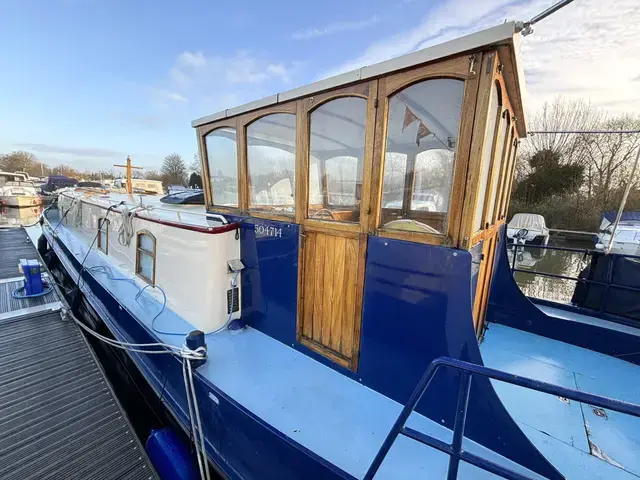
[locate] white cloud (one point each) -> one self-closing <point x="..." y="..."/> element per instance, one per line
<point x="66" y="150"/>
<point x="239" y="68"/>
<point x="588" y="49"/>
<point x="192" y="59"/>
<point x="163" y="97"/>
<point x="333" y="28"/>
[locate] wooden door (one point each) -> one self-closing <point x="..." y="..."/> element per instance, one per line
<point x="337" y="153"/>
<point x="332" y="294"/>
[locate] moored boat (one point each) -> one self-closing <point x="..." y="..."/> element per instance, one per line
<point x="16" y="191"/>
<point x="351" y="252"/>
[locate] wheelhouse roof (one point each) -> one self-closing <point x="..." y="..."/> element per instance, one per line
<point x="502" y="37"/>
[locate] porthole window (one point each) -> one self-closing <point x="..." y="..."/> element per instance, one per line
<point x="103" y="235"/>
<point x="146" y="256"/>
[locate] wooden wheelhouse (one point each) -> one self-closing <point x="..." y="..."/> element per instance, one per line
<point x="420" y="148"/>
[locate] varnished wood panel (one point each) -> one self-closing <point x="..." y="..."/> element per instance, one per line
<point x="486" y="71"/>
<point x="484" y="282"/>
<point x="330" y="300"/>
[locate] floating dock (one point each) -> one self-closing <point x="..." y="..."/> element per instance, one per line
<point x="59" y="416"/>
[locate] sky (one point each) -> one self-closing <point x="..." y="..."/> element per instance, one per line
<point x="88" y="82"/>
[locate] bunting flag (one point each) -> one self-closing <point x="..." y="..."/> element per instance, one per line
<point x="409" y="118"/>
<point x="423" y="131"/>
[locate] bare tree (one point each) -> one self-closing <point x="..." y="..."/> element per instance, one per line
<point x="152" y="175"/>
<point x="195" y="165"/>
<point x="174" y="170"/>
<point x="21" y="161"/>
<point x="608" y="158"/>
<point x="560" y="115"/>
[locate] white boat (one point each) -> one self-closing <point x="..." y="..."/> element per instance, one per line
<point x="627" y="237"/>
<point x="16" y="191"/>
<point x="529" y="227"/>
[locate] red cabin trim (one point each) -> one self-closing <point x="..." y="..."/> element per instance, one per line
<point x="194" y="228"/>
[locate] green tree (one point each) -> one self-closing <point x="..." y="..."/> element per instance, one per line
<point x="548" y="177"/>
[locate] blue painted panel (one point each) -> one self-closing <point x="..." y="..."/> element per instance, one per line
<point x="269" y="251"/>
<point x="417" y="307"/>
<point x="509" y="306"/>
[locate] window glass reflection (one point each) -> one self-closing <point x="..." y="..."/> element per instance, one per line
<point x="222" y="157"/>
<point x="271" y="154"/>
<point x="422" y="136"/>
<point x="336" y="159"/>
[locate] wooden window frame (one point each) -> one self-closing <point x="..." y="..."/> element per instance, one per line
<point x="244" y="121"/>
<point x="493" y="66"/>
<point x="510" y="178"/>
<point x="366" y="90"/>
<point x="139" y="250"/>
<point x="504" y="175"/>
<point x="203" y="131"/>
<point x="496" y="169"/>
<point x="103" y="248"/>
<point x="477" y="70"/>
<point x="457" y="68"/>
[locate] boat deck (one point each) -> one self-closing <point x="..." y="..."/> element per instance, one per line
<point x="580" y="440"/>
<point x="59" y="417"/>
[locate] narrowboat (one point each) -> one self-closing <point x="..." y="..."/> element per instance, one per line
<point x="347" y="277"/>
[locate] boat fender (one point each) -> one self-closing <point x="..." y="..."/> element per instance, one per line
<point x="170" y="455"/>
<point x="195" y="340"/>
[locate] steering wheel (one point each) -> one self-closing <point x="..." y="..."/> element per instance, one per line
<point x="409" y="225"/>
<point x="323" y="212"/>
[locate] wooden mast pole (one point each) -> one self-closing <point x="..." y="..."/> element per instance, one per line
<point x="129" y="168"/>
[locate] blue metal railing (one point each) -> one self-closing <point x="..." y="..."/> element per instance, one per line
<point x="454" y="449"/>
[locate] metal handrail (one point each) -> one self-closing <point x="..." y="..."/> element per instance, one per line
<point x="454" y="449"/>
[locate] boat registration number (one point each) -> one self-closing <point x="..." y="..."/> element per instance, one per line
<point x="267" y="231"/>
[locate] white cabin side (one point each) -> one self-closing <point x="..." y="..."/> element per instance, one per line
<point x="189" y="266"/>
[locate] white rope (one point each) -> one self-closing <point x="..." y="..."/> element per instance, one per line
<point x="125" y="230"/>
<point x="187" y="355"/>
<point x="198" y="422"/>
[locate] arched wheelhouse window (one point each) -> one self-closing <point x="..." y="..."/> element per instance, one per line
<point x="222" y="161"/>
<point x="103" y="235"/>
<point x="146" y="256"/>
<point x="422" y="137"/>
<point x="271" y="155"/>
<point x="336" y="159"/>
